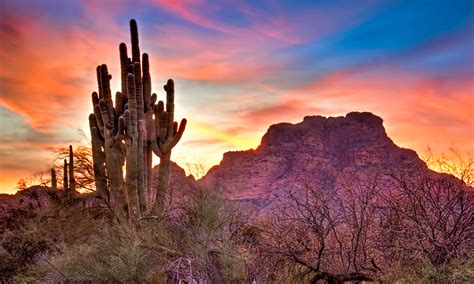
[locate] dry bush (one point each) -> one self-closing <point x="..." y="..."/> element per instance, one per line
<point x="321" y="235"/>
<point x="45" y="231"/>
<point x="460" y="165"/>
<point x="86" y="247"/>
<point x="204" y="231"/>
<point x="410" y="226"/>
<point x="427" y="218"/>
<point x="83" y="167"/>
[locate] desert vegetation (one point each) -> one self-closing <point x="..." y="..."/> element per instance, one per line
<point x="104" y="216"/>
<point x="421" y="231"/>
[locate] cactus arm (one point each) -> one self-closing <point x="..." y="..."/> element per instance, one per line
<point x="169" y="88"/>
<point x="119" y="105"/>
<point x="135" y="41"/>
<point x="106" y="91"/>
<point x="138" y="90"/>
<point x="176" y="135"/>
<point x="104" y="114"/>
<point x="172" y="133"/>
<point x="147" y="96"/>
<point x="98" y="158"/>
<point x="163" y="126"/>
<point x="98" y="116"/>
<point x="123" y="66"/>
<point x="154" y="129"/>
<point x="99" y="81"/>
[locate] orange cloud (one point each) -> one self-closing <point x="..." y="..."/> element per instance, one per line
<point x="47" y="74"/>
<point x="284" y="110"/>
<point x="419" y="111"/>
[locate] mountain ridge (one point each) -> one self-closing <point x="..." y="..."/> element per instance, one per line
<point x="318" y="151"/>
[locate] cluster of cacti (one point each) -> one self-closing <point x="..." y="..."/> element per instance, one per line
<point x="69" y="182"/>
<point x="128" y="132"/>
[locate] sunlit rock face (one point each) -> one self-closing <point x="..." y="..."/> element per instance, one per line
<point x="319" y="152"/>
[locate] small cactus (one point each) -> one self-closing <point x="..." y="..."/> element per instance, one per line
<point x="72" y="182"/>
<point x="65" y="178"/>
<point x="54" y="181"/>
<point x="69" y="182"/>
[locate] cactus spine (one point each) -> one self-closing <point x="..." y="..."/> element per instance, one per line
<point x="129" y="132"/>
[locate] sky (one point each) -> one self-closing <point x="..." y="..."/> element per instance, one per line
<point x="238" y="66"/>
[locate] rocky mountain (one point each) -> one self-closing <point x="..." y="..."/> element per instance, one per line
<point x="330" y="152"/>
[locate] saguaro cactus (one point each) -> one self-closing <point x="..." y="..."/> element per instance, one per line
<point x="65" y="178"/>
<point x="130" y="132"/>
<point x="54" y="181"/>
<point x="72" y="180"/>
<point x="69" y="182"/>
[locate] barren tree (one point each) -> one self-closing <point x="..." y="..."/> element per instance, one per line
<point x="83" y="166"/>
<point x="323" y="234"/>
<point x="429" y="216"/>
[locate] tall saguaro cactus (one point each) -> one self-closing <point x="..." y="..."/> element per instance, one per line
<point x="129" y="131"/>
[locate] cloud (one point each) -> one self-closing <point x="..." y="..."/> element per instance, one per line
<point x="238" y="67"/>
<point x="284" y="110"/>
<point x="419" y="110"/>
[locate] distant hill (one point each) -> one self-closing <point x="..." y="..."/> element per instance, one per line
<point x="330" y="152"/>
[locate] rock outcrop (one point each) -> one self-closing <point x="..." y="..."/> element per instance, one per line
<point x="323" y="152"/>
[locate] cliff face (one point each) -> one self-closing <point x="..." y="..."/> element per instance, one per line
<point x="322" y="152"/>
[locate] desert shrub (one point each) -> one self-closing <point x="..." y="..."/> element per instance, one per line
<point x="425" y="272"/>
<point x="117" y="255"/>
<point x="87" y="247"/>
<point x="44" y="232"/>
<point x="203" y="232"/>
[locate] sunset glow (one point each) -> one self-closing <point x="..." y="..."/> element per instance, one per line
<point x="238" y="68"/>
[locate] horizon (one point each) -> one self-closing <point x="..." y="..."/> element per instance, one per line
<point x="238" y="69"/>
